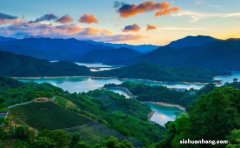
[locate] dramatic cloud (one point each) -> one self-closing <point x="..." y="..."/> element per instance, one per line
<point x="151" y="27"/>
<point x="6" y="19"/>
<point x="133" y="28"/>
<point x="40" y="30"/>
<point x="65" y="19"/>
<point x="128" y="10"/>
<point x="167" y="11"/>
<point x="46" y="17"/>
<point x="88" y="18"/>
<point x="20" y="28"/>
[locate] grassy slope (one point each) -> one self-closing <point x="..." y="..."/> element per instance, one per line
<point x="48" y="115"/>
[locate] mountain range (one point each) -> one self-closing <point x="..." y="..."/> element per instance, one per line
<point x="189" y="52"/>
<point x="23" y="66"/>
<point x="208" y="53"/>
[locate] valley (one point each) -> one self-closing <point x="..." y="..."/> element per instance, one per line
<point x="119" y="74"/>
<point x="95" y="97"/>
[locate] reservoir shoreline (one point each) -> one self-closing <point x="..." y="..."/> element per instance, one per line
<point x="167" y="105"/>
<point x="112" y="77"/>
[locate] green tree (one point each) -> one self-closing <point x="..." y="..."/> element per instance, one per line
<point x="21" y="132"/>
<point x="81" y="144"/>
<point x="60" y="137"/>
<point x="75" y="139"/>
<point x="234" y="139"/>
<point x="216" y="114"/>
<point x="43" y="142"/>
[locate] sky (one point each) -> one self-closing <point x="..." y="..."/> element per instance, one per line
<point x="133" y="22"/>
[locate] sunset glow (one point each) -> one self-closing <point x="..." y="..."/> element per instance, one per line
<point x="134" y="22"/>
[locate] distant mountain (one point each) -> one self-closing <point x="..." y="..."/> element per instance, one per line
<point x="160" y="73"/>
<point x="121" y="56"/>
<point x="192" y="41"/>
<point x="217" y="55"/>
<point x="24" y="66"/>
<point x="51" y="49"/>
<point x="4" y="39"/>
<point x="192" y="51"/>
<point x="69" y="49"/>
<point x="139" y="48"/>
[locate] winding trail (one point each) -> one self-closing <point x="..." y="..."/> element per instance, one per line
<point x="20" y="104"/>
<point x="28" y="102"/>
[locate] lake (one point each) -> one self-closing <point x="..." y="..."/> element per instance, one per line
<point x="76" y="84"/>
<point x="94" y="67"/>
<point x="85" y="84"/>
<point x="162" y="114"/>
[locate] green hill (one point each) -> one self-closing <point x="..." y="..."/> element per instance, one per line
<point x="162" y="73"/>
<point x="23" y="66"/>
<point x="48" y="116"/>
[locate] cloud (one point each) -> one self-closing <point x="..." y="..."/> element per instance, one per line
<point x="196" y="16"/>
<point x="151" y="27"/>
<point x="95" y="31"/>
<point x="6" y="19"/>
<point x="46" y="17"/>
<point x="113" y="38"/>
<point x="39" y="28"/>
<point x="123" y="38"/>
<point x="133" y="28"/>
<point x="31" y="29"/>
<point x="128" y="10"/>
<point x="65" y="19"/>
<point x="88" y="18"/>
<point x="167" y="11"/>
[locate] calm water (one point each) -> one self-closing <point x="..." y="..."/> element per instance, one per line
<point x="163" y="114"/>
<point x="76" y="84"/>
<point x="84" y="84"/>
<point x="94" y="67"/>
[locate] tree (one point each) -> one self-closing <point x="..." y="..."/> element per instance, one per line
<point x="234" y="139"/>
<point x="75" y="139"/>
<point x="235" y="80"/>
<point x="43" y="142"/>
<point x="213" y="116"/>
<point x="216" y="114"/>
<point x="113" y="142"/>
<point x="81" y="144"/>
<point x="21" y="132"/>
<point x="60" y="137"/>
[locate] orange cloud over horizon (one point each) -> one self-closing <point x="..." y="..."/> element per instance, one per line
<point x="129" y="10"/>
<point x="167" y="11"/>
<point x="151" y="27"/>
<point x="88" y="18"/>
<point x="65" y="19"/>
